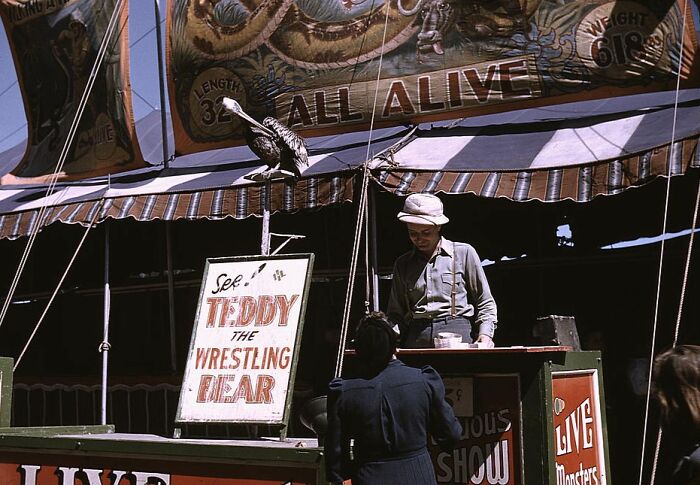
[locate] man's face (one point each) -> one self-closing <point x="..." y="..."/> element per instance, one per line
<point x="424" y="237"/>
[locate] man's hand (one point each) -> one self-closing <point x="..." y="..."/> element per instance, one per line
<point x="485" y="341"/>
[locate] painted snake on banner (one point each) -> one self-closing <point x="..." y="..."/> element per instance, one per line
<point x="303" y="41"/>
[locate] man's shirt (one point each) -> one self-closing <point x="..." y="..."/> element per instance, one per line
<point x="422" y="287"/>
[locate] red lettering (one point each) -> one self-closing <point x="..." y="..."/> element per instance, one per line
<point x="214" y="354"/>
<point x="509" y="70"/>
<point x="227" y="311"/>
<point x="267" y="310"/>
<point x="299" y="112"/>
<point x="454" y="89"/>
<point x="264" y="388"/>
<point x="397" y="101"/>
<point x="244" y="390"/>
<point x="345" y="114"/>
<point x="204" y="388"/>
<point x="246" y="312"/>
<point x="481" y="88"/>
<point x="201" y="359"/>
<point x="214" y="304"/>
<point x="321" y="117"/>
<point x="284" y="306"/>
<point x="424" y="95"/>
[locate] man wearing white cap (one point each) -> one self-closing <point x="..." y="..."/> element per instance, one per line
<point x="438" y="286"/>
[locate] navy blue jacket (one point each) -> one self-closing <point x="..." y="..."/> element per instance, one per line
<point x="389" y="418"/>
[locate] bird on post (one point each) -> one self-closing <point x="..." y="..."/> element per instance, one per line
<point x="279" y="147"/>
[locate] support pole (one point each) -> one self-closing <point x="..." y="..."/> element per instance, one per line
<point x="373" y="269"/>
<point x="166" y="162"/>
<point x="161" y="88"/>
<point x="104" y="346"/>
<point x="171" y="296"/>
<point x="265" y="243"/>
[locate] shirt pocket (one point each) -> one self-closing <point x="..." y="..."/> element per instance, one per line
<point x="447" y="282"/>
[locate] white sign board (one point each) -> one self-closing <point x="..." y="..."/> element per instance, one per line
<point x="246" y="333"/>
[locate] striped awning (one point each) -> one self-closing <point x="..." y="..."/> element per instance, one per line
<point x="233" y="202"/>
<point x="578" y="183"/>
<point x="575" y="151"/>
<point x="209" y="185"/>
<point x="215" y="204"/>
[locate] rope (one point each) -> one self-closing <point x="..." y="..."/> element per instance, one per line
<point x="12" y="133"/>
<point x="361" y="211"/>
<point x="367" y="275"/>
<point x="661" y="259"/>
<point x="684" y="286"/>
<point x="62" y="158"/>
<point x="351" y="276"/>
<point x="60" y="283"/>
<point x="686" y="271"/>
<point x="7" y="88"/>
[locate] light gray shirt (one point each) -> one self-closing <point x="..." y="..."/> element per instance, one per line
<point x="422" y="288"/>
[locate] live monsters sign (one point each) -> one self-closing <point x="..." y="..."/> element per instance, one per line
<point x="578" y="436"/>
<point x="329" y="66"/>
<point x="247" y="330"/>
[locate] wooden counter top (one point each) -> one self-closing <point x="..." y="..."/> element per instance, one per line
<point x="495" y="350"/>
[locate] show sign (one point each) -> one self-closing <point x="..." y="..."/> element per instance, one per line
<point x="246" y="334"/>
<point x="578" y="435"/>
<point x="100" y="474"/>
<point x="489" y="452"/>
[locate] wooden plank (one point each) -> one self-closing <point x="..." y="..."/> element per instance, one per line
<point x="48" y="431"/>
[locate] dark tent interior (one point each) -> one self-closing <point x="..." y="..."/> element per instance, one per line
<point x="533" y="272"/>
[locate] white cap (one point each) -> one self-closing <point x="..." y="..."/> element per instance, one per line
<point x="423" y="209"/>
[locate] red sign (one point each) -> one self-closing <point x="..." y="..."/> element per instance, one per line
<point x="489" y="409"/>
<point x="578" y="435"/>
<point x="33" y="474"/>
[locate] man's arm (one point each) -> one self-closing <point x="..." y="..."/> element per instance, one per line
<point x="484" y="304"/>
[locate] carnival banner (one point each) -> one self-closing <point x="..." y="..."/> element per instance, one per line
<point x="55" y="44"/>
<point x="314" y="64"/>
<point x="243" y="351"/>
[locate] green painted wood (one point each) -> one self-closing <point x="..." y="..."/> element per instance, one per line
<point x="158" y="448"/>
<point x="48" y="431"/>
<point x="533" y="384"/>
<point x="535" y="371"/>
<point x="6" y="364"/>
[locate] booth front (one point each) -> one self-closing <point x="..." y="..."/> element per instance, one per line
<point x="531" y="415"/>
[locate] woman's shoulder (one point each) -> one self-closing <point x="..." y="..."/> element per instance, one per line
<point x="431" y="376"/>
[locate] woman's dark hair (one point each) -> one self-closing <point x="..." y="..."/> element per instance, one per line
<point x="375" y="341"/>
<point x="677" y="387"/>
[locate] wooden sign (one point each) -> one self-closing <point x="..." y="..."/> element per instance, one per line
<point x="246" y="334"/>
<point x="578" y="432"/>
<point x="489" y="451"/>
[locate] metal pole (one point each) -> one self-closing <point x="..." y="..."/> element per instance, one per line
<point x="265" y="243"/>
<point x="161" y="77"/>
<point x="166" y="163"/>
<point x="373" y="249"/>
<point x="171" y="297"/>
<point x="104" y="346"/>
